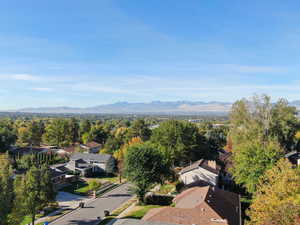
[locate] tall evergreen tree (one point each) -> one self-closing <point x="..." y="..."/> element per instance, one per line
<point x="35" y="191"/>
<point x="58" y="132"/>
<point x="6" y="192"/>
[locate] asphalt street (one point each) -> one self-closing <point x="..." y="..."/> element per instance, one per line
<point x="88" y="215"/>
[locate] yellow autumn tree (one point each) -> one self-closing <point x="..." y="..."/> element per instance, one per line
<point x="121" y="153"/>
<point x="297" y="135"/>
<point x="277" y="200"/>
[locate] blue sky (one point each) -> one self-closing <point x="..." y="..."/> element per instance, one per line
<point x="86" y="53"/>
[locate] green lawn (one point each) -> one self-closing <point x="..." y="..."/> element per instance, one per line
<point x="166" y="188"/>
<point x="27" y="219"/>
<point x="114" y="179"/>
<point x="139" y="213"/>
<point x="123" y="207"/>
<point x="83" y="190"/>
<point x="79" y="187"/>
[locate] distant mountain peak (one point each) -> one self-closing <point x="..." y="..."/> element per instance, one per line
<point x="154" y="107"/>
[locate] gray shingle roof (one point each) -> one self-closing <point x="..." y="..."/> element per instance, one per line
<point x="102" y="158"/>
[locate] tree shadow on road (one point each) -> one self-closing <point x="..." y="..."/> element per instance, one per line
<point x="83" y="222"/>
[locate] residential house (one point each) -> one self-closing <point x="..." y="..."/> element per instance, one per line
<point x="200" y="173"/>
<point x="60" y="176"/>
<point x="91" y="147"/>
<point x="88" y="164"/>
<point x="25" y="150"/>
<point x="293" y="157"/>
<point x="200" y="205"/>
<point x="57" y="176"/>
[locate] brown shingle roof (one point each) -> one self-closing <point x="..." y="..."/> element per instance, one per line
<point x="200" y="205"/>
<point x="70" y="149"/>
<point x="184" y="216"/>
<point x="92" y="144"/>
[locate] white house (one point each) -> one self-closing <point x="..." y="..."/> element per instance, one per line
<point x="202" y="172"/>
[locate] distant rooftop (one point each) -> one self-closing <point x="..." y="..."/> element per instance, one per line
<point x="85" y="156"/>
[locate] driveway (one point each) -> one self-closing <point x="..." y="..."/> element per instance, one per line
<point x="95" y="208"/>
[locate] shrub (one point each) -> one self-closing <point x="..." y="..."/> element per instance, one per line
<point x="179" y="186"/>
<point x="153" y="199"/>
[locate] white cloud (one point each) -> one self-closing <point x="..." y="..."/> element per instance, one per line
<point x="255" y="68"/>
<point x="23" y="77"/>
<point x="42" y="89"/>
<point x="86" y="87"/>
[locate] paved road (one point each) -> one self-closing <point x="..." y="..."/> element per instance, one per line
<point x="68" y="200"/>
<point x="88" y="215"/>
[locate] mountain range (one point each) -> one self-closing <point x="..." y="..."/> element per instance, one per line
<point x="155" y="107"/>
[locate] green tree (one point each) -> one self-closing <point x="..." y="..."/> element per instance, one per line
<point x="86" y="137"/>
<point x="284" y="124"/>
<point x="30" y="133"/>
<point x="252" y="159"/>
<point x="84" y="127"/>
<point x="18" y="213"/>
<point x="181" y="142"/>
<point x="6" y="192"/>
<point x="7" y="135"/>
<point x="57" y="132"/>
<point x="23" y="137"/>
<point x="216" y="137"/>
<point x="139" y="129"/>
<point x="260" y="118"/>
<point x="276" y="201"/>
<point x="121" y="153"/>
<point x="259" y="134"/>
<point x="74" y="130"/>
<point x="35" y="191"/>
<point x="112" y="144"/>
<point x="98" y="134"/>
<point x="145" y="166"/>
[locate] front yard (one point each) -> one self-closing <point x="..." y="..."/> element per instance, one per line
<point x="136" y="213"/>
<point x="80" y="187"/>
<point x="83" y="186"/>
<point x="139" y="211"/>
<point x="166" y="189"/>
<point x="27" y="219"/>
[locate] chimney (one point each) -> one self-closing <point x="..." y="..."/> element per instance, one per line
<point x="212" y="164"/>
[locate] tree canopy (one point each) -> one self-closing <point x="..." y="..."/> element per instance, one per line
<point x="180" y="142"/>
<point x="145" y="166"/>
<point x="34" y="191"/>
<point x="260" y="135"/>
<point x="277" y="200"/>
